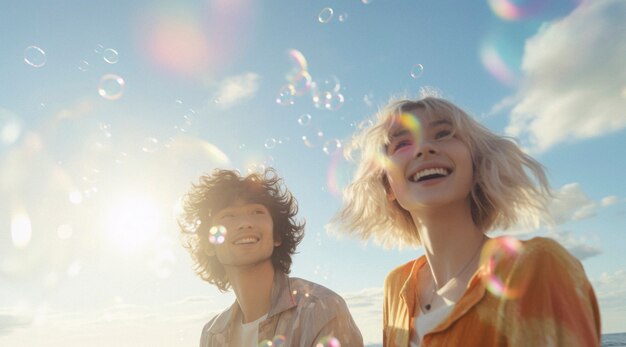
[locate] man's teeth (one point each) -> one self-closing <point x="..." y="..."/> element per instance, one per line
<point x="246" y="240"/>
<point x="428" y="172"/>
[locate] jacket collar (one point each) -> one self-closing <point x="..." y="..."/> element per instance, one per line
<point x="473" y="294"/>
<point x="281" y="300"/>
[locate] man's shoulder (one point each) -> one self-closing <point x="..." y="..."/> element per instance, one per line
<point x="219" y="322"/>
<point x="304" y="290"/>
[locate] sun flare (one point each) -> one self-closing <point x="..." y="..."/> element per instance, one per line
<point x="132" y="222"/>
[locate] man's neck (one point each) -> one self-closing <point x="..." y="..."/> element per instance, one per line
<point x="253" y="288"/>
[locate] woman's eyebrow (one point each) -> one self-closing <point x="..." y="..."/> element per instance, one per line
<point x="439" y="122"/>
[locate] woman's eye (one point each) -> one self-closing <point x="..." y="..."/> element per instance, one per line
<point x="443" y="134"/>
<point x="226" y="216"/>
<point x="401" y="144"/>
<point x="259" y="212"/>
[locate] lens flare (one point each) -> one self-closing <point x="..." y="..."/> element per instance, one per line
<point x="217" y="234"/>
<point x="328" y="341"/>
<point x="499" y="258"/>
<point x="516" y="9"/>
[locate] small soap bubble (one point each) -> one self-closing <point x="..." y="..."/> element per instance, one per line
<point x="266" y="343"/>
<point x="242" y="146"/>
<point x="304" y="119"/>
<point x="286" y="95"/>
<point x="325" y="15"/>
<point x="417" y="70"/>
<point x="328" y="341"/>
<point x="367" y="2"/>
<point x="343" y="17"/>
<point x="150" y="145"/>
<point x="105" y="129"/>
<point x="98" y="49"/>
<point x="111" y="87"/>
<point x="330" y="146"/>
<point x="35" y="56"/>
<point x="110" y="56"/>
<point x="270" y="143"/>
<point x="217" y="234"/>
<point x="83" y="66"/>
<point x="313" y="138"/>
<point x="333" y="101"/>
<point x="121" y="158"/>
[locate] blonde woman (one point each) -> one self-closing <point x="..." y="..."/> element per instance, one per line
<point x="430" y="175"/>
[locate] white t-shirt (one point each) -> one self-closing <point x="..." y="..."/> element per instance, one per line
<point x="247" y="334"/>
<point x="426" y="322"/>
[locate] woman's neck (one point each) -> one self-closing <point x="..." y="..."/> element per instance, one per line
<point x="451" y="241"/>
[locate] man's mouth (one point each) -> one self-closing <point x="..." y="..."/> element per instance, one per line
<point x="246" y="240"/>
<point x="428" y="174"/>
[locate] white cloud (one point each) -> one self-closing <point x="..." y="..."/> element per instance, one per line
<point x="570" y="203"/>
<point x="610" y="289"/>
<point x="574" y="78"/>
<point x="237" y="89"/>
<point x="610" y="200"/>
<point x="579" y="246"/>
<point x="366" y="307"/>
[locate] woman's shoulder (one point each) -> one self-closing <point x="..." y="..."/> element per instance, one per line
<point x="400" y="274"/>
<point x="543" y="249"/>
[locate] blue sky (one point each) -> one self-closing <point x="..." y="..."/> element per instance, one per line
<point x="109" y="110"/>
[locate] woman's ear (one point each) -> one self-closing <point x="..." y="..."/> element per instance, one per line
<point x="390" y="194"/>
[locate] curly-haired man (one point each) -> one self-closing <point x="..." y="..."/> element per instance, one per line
<point x="241" y="233"/>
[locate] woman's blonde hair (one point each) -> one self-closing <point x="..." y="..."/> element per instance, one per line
<point x="509" y="187"/>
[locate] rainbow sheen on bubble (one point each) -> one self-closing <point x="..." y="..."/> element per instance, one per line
<point x="328" y="341"/>
<point x="301" y="82"/>
<point x="217" y="234"/>
<point x="111" y="87"/>
<point x="498" y="259"/>
<point x="298" y="60"/>
<point x="339" y="174"/>
<point x="498" y="60"/>
<point x="516" y="9"/>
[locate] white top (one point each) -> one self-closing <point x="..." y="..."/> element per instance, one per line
<point x="426" y="322"/>
<point x="247" y="334"/>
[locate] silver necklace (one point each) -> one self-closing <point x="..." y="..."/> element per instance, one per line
<point x="428" y="306"/>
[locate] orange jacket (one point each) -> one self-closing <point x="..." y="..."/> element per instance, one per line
<point x="554" y="304"/>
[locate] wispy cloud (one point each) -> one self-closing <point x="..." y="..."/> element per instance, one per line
<point x="570" y="203"/>
<point x="237" y="89"/>
<point x="574" y="78"/>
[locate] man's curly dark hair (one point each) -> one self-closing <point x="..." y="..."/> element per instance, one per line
<point x="220" y="190"/>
